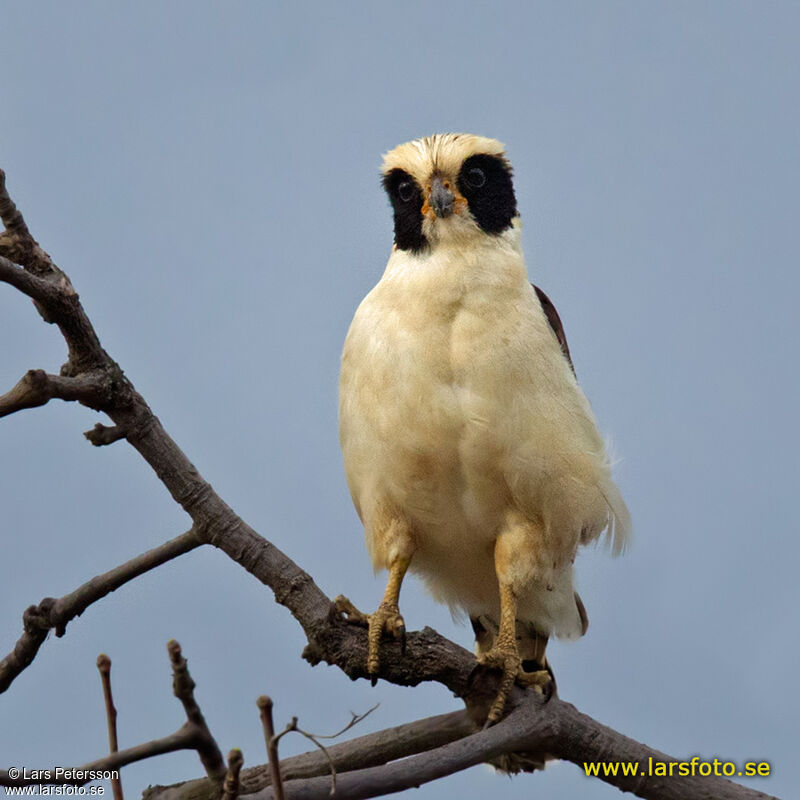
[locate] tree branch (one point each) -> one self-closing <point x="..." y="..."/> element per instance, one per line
<point x="533" y="724"/>
<point x="369" y="750"/>
<point x="34" y="287"/>
<point x="10" y="214"/>
<point x="104" y="667"/>
<point x="104" y="434"/>
<point x="230" y="788"/>
<point x="271" y="742"/>
<point x="51" y="613"/>
<point x="192" y="735"/>
<point x="183" y="687"/>
<point x="17" y="243"/>
<point x="36" y="388"/>
<point x="182" y="739"/>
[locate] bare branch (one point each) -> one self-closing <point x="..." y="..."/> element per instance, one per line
<point x="533" y="725"/>
<point x="17" y="242"/>
<point x="265" y="707"/>
<point x="51" y="613"/>
<point x="36" y="388"/>
<point x="104" y="666"/>
<point x="183" y="687"/>
<point x="35" y="287"/>
<point x="354" y="720"/>
<point x="10" y="214"/>
<point x="370" y="750"/>
<point x="104" y="434"/>
<point x="230" y="788"/>
<point x="193" y="735"/>
<point x="314" y="739"/>
<point x="182" y="739"/>
<point x="58" y="302"/>
<point x="530" y="726"/>
<point x="326" y="755"/>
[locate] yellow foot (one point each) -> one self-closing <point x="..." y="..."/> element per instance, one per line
<point x="344" y="607"/>
<point x="507" y="659"/>
<point x="386" y="619"/>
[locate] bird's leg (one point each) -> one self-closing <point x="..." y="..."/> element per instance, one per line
<point x="387" y="617"/>
<point x="394" y="545"/>
<point x="504" y="655"/>
<point x="512" y="573"/>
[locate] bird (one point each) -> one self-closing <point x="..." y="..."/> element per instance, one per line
<point x="471" y="453"/>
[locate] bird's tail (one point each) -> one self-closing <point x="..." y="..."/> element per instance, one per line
<point x="531" y="646"/>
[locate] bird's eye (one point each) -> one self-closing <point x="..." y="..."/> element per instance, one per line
<point x="406" y="191"/>
<point x="476" y="177"/>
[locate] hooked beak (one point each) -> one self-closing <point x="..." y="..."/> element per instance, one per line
<point x="441" y="199"/>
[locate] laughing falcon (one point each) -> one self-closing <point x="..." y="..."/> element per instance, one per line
<point x="471" y="453"/>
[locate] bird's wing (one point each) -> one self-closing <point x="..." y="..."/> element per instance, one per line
<point x="555" y="323"/>
<point x="619" y="527"/>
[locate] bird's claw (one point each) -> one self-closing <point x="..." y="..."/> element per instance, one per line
<point x="507" y="659"/>
<point x="387" y="619"/>
<point x="346" y="609"/>
<point x="540" y="681"/>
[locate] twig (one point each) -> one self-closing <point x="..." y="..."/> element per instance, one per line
<point x="314" y="739"/>
<point x="17" y="242"/>
<point x="33" y="286"/>
<point x="183" y="688"/>
<point x="10" y="214"/>
<point x="354" y="720"/>
<point x="104" y="666"/>
<point x="183" y="739"/>
<point x="104" y="434"/>
<point x="193" y="735"/>
<point x="36" y="388"/>
<point x="265" y="708"/>
<point x="51" y="613"/>
<point x="326" y="755"/>
<point x="230" y="788"/>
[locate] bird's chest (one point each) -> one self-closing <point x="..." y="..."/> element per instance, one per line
<point x="429" y="384"/>
<point x="442" y="359"/>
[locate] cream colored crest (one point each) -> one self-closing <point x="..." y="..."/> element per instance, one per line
<point x="443" y="153"/>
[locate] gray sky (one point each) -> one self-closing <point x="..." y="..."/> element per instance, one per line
<point x="208" y="176"/>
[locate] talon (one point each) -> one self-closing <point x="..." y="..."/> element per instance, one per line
<point x="402" y="640"/>
<point x="538" y="679"/>
<point x="345" y="608"/>
<point x="387" y="619"/>
<point x="507" y="659"/>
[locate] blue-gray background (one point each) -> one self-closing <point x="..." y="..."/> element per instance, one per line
<point x="208" y="176"/>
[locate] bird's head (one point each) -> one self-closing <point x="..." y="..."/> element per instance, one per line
<point x="448" y="186"/>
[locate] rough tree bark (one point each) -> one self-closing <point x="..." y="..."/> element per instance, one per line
<point x="368" y="766"/>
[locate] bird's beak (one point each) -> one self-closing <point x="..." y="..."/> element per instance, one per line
<point x="441" y="198"/>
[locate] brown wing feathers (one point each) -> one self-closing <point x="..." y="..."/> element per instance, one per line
<point x="555" y="322"/>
